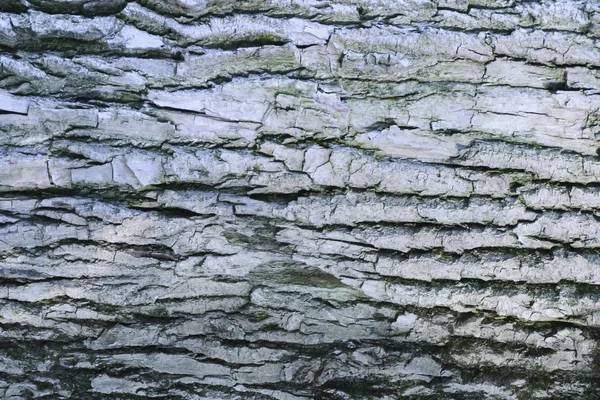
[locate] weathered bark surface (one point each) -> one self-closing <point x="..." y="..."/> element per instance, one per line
<point x="267" y="199"/>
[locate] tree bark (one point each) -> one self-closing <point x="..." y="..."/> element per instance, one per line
<point x="301" y="199"/>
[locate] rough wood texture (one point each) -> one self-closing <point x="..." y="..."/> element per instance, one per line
<point x="299" y="199"/>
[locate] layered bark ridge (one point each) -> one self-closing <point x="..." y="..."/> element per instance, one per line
<point x="300" y="199"/>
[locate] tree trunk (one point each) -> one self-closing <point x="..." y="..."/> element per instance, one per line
<point x="301" y="199"/>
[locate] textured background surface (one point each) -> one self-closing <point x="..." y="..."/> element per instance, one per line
<point x="298" y="199"/>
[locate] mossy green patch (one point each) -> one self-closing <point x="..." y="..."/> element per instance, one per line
<point x="259" y="316"/>
<point x="309" y="277"/>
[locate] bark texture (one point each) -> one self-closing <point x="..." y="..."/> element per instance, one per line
<point x="299" y="199"/>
